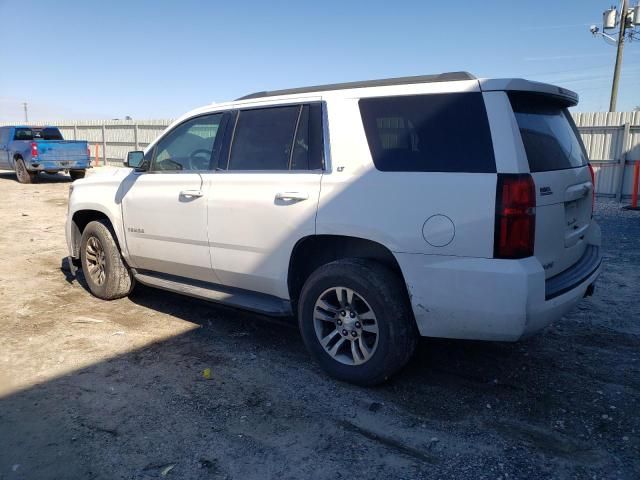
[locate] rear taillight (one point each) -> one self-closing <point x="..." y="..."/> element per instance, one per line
<point x="88" y="151"/>
<point x="515" y="216"/>
<point x="593" y="188"/>
<point x="34" y="149"/>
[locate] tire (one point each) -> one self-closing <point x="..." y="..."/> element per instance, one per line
<point x="104" y="268"/>
<point x="76" y="174"/>
<point x="376" y="292"/>
<point x="24" y="175"/>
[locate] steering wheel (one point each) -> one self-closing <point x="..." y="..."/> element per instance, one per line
<point x="202" y="163"/>
<point x="167" y="162"/>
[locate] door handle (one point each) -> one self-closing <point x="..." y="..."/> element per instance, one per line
<point x="191" y="193"/>
<point x="287" y="196"/>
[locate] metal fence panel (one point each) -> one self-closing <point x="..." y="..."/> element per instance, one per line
<point x="612" y="140"/>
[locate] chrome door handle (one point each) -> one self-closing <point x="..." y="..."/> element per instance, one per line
<point x="191" y="193"/>
<point x="299" y="196"/>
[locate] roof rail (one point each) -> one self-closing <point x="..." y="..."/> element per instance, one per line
<point x="441" y="77"/>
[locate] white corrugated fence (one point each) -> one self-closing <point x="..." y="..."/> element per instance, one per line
<point x="612" y="141"/>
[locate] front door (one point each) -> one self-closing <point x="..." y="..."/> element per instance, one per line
<point x="165" y="207"/>
<point x="264" y="196"/>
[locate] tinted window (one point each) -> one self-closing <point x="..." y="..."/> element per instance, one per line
<point x="307" y="148"/>
<point x="48" y="134"/>
<point x="4" y="133"/>
<point x="23" y="134"/>
<point x="189" y="146"/>
<point x="263" y="139"/>
<point x="548" y="133"/>
<point x="429" y="133"/>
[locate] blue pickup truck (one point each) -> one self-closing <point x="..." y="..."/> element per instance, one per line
<point x="29" y="150"/>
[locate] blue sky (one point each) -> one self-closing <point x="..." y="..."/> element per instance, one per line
<point x="156" y="59"/>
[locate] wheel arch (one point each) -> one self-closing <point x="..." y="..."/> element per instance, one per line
<point x="15" y="157"/>
<point x="313" y="251"/>
<point x="80" y="219"/>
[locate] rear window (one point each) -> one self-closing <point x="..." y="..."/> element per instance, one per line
<point x="48" y="134"/>
<point x="429" y="133"/>
<point x="37" y="134"/>
<point x="550" y="137"/>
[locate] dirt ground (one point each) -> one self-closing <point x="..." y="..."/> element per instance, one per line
<point x="115" y="390"/>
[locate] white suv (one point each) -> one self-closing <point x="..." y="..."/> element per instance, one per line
<point x="378" y="211"/>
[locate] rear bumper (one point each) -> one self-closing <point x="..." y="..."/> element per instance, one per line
<point x="490" y="299"/>
<point x="58" y="165"/>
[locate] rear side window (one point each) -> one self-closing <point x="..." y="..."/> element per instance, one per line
<point x="307" y="148"/>
<point x="429" y="133"/>
<point x="263" y="139"/>
<point x="548" y="133"/>
<point x="278" y="138"/>
<point x="23" y="134"/>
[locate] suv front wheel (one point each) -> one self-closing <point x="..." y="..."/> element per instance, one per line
<point x="356" y="321"/>
<point x="107" y="276"/>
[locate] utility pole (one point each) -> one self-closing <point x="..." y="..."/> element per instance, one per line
<point x="616" y="70"/>
<point x="26" y="112"/>
<point x="628" y="23"/>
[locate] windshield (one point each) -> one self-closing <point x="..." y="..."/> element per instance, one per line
<point x="549" y="135"/>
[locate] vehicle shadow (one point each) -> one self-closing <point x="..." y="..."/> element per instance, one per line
<point x="269" y="411"/>
<point x="42" y="178"/>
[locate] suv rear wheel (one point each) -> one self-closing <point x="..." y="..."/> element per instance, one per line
<point x="356" y="321"/>
<point x="104" y="269"/>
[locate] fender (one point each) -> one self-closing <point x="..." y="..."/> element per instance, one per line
<point x="99" y="196"/>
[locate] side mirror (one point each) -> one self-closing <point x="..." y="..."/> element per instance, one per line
<point x="134" y="159"/>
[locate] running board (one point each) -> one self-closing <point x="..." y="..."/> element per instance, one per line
<point x="233" y="297"/>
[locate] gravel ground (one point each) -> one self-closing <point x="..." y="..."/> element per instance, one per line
<point x="110" y="390"/>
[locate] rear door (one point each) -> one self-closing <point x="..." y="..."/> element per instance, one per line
<point x="559" y="167"/>
<point x="264" y="196"/>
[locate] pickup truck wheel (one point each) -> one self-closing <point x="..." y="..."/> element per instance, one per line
<point x="356" y="321"/>
<point x="24" y="175"/>
<point x="76" y="174"/>
<point x="104" y="268"/>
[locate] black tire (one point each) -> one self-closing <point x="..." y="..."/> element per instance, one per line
<point x="385" y="294"/>
<point x="117" y="281"/>
<point x="24" y="175"/>
<point x="76" y="174"/>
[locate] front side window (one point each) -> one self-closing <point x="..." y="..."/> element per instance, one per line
<point x="429" y="133"/>
<point x="189" y="146"/>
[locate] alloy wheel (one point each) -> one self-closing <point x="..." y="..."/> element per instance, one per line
<point x="96" y="260"/>
<point x="345" y="325"/>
